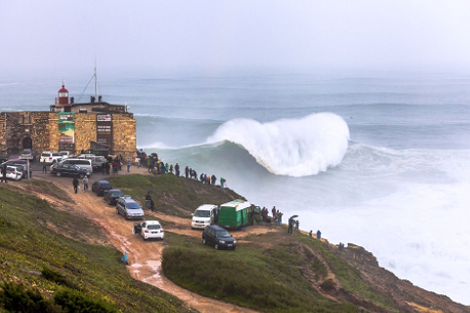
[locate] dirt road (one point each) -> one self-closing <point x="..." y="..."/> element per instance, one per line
<point x="144" y="257"/>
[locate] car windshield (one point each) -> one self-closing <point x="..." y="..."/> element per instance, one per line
<point x="115" y="194"/>
<point x="132" y="205"/>
<point x="202" y="213"/>
<point x="105" y="186"/>
<point x="156" y="226"/>
<point x="222" y="234"/>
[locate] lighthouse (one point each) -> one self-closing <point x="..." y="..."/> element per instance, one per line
<point x="63" y="99"/>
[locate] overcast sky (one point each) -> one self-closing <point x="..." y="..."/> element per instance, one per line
<point x="214" y="36"/>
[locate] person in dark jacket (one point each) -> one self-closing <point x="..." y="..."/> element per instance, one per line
<point x="177" y="170"/>
<point x="186" y="171"/>
<point x="75" y="184"/>
<point x="213" y="180"/>
<point x="4" y="174"/>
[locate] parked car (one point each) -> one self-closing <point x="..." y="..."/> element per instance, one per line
<point x="59" y="169"/>
<point x="149" y="229"/>
<point x="29" y="153"/>
<point x="96" y="161"/>
<point x="24" y="163"/>
<point x="12" y="172"/>
<point x="14" y="157"/>
<point x="204" y="215"/>
<point x="83" y="163"/>
<point x="100" y="186"/>
<point x="65" y="154"/>
<point x="50" y="157"/>
<point x="130" y="209"/>
<point x="23" y="168"/>
<point x="218" y="237"/>
<point x="111" y="196"/>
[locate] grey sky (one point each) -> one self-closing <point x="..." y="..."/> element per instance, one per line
<point x="213" y="36"/>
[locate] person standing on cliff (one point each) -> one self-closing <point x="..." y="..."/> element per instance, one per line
<point x="222" y="183"/>
<point x="75" y="184"/>
<point x="273" y="211"/>
<point x="186" y="171"/>
<point x="177" y="170"/>
<point x="318" y="234"/>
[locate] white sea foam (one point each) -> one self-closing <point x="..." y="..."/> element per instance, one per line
<point x="294" y="147"/>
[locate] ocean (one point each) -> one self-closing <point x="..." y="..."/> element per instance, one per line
<point x="378" y="159"/>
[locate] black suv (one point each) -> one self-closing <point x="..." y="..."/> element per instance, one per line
<point x="58" y="170"/>
<point x="100" y="186"/>
<point x="218" y="237"/>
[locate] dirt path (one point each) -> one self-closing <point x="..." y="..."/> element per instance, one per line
<point x="144" y="257"/>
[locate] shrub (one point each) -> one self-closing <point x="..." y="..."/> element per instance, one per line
<point x="74" y="301"/>
<point x="52" y="275"/>
<point x="14" y="298"/>
<point x="328" y="285"/>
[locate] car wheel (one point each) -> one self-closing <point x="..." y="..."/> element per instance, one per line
<point x="117" y="211"/>
<point x="233" y="248"/>
<point x="216" y="247"/>
<point x="81" y="175"/>
<point x="58" y="174"/>
<point x="204" y="241"/>
<point x="127" y="216"/>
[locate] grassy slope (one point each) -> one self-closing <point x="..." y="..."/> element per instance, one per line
<point x="27" y="247"/>
<point x="273" y="272"/>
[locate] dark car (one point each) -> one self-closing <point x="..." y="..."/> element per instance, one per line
<point x="218" y="237"/>
<point x="68" y="170"/>
<point x="111" y="196"/>
<point x="100" y="186"/>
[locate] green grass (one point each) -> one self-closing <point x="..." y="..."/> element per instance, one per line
<point x="172" y="195"/>
<point x="28" y="248"/>
<point x="268" y="280"/>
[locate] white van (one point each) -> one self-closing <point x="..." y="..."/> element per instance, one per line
<point x="83" y="163"/>
<point x="204" y="215"/>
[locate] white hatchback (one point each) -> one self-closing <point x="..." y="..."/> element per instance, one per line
<point x="149" y="229"/>
<point x="13" y="173"/>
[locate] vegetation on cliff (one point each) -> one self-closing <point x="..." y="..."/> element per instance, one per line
<point x="41" y="264"/>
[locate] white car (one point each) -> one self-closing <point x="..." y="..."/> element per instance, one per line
<point x="149" y="229"/>
<point x="50" y="157"/>
<point x="205" y="215"/>
<point x="65" y="154"/>
<point x="13" y="173"/>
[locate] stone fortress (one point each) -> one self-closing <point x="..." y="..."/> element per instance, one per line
<point x="69" y="126"/>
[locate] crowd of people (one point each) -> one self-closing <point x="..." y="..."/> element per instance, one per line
<point x="156" y="166"/>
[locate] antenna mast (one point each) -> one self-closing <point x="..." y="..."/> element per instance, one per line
<point x="96" y="95"/>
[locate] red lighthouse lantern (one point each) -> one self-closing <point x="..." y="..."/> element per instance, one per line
<point x="63" y="96"/>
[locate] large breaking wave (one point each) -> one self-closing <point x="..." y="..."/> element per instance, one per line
<point x="294" y="147"/>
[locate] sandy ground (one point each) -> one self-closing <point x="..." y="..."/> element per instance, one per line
<point x="144" y="257"/>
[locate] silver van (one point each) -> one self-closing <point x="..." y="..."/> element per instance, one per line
<point x="83" y="163"/>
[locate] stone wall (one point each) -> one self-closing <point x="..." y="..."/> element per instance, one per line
<point x="43" y="130"/>
<point x="124" y="135"/>
<point x="85" y="131"/>
<point x="21" y="126"/>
